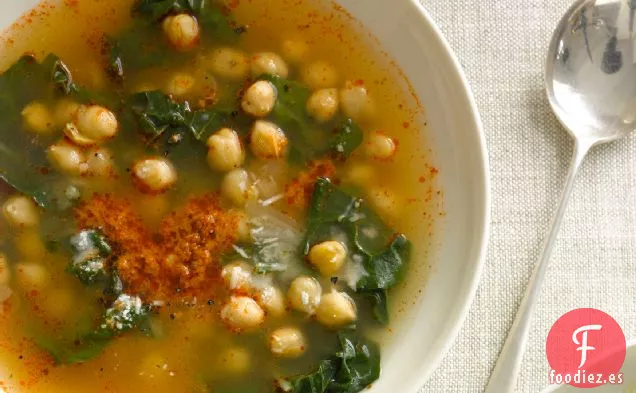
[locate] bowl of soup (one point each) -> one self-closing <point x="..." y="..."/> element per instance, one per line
<point x="233" y="196"/>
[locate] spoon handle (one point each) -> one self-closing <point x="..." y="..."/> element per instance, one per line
<point x="504" y="377"/>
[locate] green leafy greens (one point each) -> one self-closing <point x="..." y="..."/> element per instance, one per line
<point x="126" y="313"/>
<point x="307" y="142"/>
<point x="158" y="115"/>
<point x="214" y="23"/>
<point x="381" y="252"/>
<point x="23" y="162"/>
<point x="90" y="254"/>
<point x="354" y="367"/>
<point x="138" y="47"/>
<point x="91" y="250"/>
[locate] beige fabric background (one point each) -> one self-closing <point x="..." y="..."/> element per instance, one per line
<point x="502" y="47"/>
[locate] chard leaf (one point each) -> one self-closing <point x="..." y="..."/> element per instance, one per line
<point x="360" y="364"/>
<point x="317" y="381"/>
<point x="157" y="114"/>
<point x="126" y="313"/>
<point x="202" y="124"/>
<point x="23" y="162"/>
<point x="214" y="23"/>
<point x="138" y="48"/>
<point x="348" y="137"/>
<point x="307" y="141"/>
<point x="352" y="369"/>
<point x="382" y="252"/>
<point x="90" y="254"/>
<point x="380" y="307"/>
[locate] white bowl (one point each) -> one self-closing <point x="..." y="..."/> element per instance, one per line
<point x="410" y="37"/>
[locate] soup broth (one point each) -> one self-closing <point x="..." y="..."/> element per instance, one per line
<point x="205" y="198"/>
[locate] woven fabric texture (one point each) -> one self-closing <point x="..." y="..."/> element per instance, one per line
<point x="502" y="46"/>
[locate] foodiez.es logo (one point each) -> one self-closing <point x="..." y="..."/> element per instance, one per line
<point x="586" y="348"/>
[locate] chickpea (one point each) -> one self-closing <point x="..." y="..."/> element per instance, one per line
<point x="38" y="118"/>
<point x="100" y="162"/>
<point x="336" y="309"/>
<point x="319" y="75"/>
<point x="380" y="147"/>
<point x="225" y="151"/>
<point x="238" y="188"/>
<point x="95" y="123"/>
<point x="31" y="276"/>
<point x="294" y="50"/>
<point x="180" y="84"/>
<point x="288" y="342"/>
<point x="267" y="140"/>
<point x="229" y="63"/>
<point x="272" y="300"/>
<point x="235" y="360"/>
<point x="323" y="104"/>
<point x="182" y="31"/>
<point x="259" y="99"/>
<point x="242" y="313"/>
<point x="30" y="245"/>
<point x="356" y="102"/>
<point x="328" y="257"/>
<point x="65" y="111"/>
<point x="5" y="270"/>
<point x="21" y="211"/>
<point x="154" y="175"/>
<point x="237" y="276"/>
<point x="269" y="63"/>
<point x="67" y="158"/>
<point x="304" y="294"/>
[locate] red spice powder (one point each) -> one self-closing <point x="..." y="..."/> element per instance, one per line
<point x="298" y="192"/>
<point x="181" y="260"/>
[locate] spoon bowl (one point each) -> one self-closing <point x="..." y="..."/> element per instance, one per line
<point x="590" y="71"/>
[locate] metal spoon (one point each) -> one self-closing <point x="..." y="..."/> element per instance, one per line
<point x="591" y="84"/>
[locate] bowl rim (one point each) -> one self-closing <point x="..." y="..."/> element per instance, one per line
<point x="456" y="71"/>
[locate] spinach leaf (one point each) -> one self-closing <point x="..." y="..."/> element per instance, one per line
<point x="354" y="367"/>
<point x="381" y="252"/>
<point x="307" y="140"/>
<point x="204" y="123"/>
<point x="360" y="364"/>
<point x="213" y="21"/>
<point x="380" y="305"/>
<point x="318" y="381"/>
<point x="156" y="114"/>
<point x="289" y="114"/>
<point x="91" y="251"/>
<point x="23" y="162"/>
<point x="126" y="313"/>
<point x="348" y="137"/>
<point x="138" y="48"/>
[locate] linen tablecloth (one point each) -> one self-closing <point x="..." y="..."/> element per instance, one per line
<point x="502" y="46"/>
